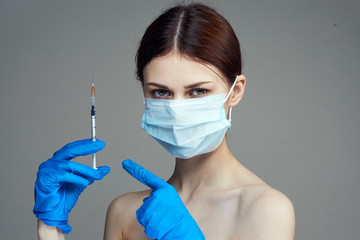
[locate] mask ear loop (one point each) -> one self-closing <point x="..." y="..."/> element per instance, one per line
<point x="143" y="94"/>
<point x="227" y="97"/>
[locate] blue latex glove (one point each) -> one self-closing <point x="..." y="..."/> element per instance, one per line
<point x="163" y="214"/>
<point x="60" y="182"/>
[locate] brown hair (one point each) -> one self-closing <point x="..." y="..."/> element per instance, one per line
<point x="195" y="31"/>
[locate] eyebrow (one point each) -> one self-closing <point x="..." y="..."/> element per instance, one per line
<point x="186" y="87"/>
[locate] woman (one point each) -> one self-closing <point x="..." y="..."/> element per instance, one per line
<point x="189" y="64"/>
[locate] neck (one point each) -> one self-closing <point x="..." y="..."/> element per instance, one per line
<point x="214" y="170"/>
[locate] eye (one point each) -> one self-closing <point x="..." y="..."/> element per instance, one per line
<point x="198" y="92"/>
<point x="160" y="93"/>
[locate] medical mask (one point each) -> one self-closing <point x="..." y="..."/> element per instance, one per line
<point x="188" y="127"/>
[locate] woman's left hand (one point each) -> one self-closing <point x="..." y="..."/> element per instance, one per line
<point x="163" y="214"/>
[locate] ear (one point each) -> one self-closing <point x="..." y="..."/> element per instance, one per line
<point x="238" y="91"/>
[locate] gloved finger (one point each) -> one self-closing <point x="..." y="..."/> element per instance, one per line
<point x="143" y="175"/>
<point x="84" y="171"/>
<point x="78" y="148"/>
<point x="66" y="177"/>
<point x="103" y="170"/>
<point x="142" y="214"/>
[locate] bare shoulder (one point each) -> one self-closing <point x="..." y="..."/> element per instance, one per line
<point x="128" y="202"/>
<point x="121" y="215"/>
<point x="268" y="213"/>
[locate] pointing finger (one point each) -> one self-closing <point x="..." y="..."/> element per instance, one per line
<point x="143" y="175"/>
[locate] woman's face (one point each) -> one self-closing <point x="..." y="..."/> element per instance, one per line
<point x="175" y="77"/>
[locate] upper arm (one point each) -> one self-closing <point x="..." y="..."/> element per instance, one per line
<point x="271" y="216"/>
<point x="113" y="229"/>
<point x="121" y="222"/>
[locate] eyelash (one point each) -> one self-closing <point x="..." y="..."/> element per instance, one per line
<point x="155" y="92"/>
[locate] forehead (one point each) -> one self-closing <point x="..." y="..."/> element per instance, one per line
<point x="173" y="69"/>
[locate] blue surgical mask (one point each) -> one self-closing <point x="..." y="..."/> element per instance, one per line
<point x="187" y="127"/>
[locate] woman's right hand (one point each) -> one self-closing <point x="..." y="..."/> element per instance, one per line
<point x="60" y="182"/>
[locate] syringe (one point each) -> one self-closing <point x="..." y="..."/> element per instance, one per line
<point x="93" y="122"/>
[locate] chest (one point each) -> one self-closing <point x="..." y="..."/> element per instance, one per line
<point x="218" y="218"/>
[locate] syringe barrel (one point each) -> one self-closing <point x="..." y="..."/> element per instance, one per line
<point x="92" y="101"/>
<point x="93" y="127"/>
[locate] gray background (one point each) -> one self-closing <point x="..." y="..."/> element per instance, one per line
<point x="297" y="127"/>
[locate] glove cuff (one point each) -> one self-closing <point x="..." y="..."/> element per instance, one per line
<point x="63" y="225"/>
